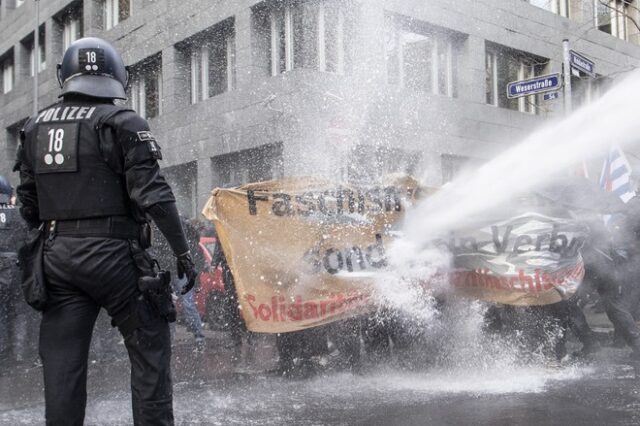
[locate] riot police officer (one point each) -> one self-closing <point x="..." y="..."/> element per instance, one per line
<point x="89" y="174"/>
<point x="621" y="292"/>
<point x="11" y="234"/>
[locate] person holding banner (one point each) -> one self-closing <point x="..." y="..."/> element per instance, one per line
<point x="230" y="308"/>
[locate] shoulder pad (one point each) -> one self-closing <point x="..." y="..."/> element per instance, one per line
<point x="108" y="112"/>
<point x="128" y="120"/>
<point x="134" y="135"/>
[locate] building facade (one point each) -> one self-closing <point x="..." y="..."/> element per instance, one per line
<point x="243" y="90"/>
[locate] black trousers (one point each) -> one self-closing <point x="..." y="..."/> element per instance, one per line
<point x="9" y="293"/>
<point x="621" y="297"/>
<point x="618" y="288"/>
<point x="18" y="321"/>
<point x="84" y="274"/>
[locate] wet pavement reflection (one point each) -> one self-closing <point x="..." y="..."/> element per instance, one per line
<point x="210" y="389"/>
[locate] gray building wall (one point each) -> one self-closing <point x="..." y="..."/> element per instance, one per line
<point x="315" y="119"/>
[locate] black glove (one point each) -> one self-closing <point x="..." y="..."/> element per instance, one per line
<point x="187" y="268"/>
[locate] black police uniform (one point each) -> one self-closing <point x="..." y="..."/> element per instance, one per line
<point x="89" y="171"/>
<point x="12" y="233"/>
<point x="621" y="291"/>
<point x="162" y="251"/>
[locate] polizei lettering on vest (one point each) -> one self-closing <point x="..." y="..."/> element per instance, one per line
<point x="66" y="113"/>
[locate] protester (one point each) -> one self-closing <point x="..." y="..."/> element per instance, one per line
<point x="231" y="315"/>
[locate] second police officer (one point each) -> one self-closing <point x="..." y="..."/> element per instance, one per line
<point x="89" y="175"/>
<point x="12" y="314"/>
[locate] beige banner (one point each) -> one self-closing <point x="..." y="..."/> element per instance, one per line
<point x="295" y="247"/>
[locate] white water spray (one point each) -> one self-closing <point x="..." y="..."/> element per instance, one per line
<point x="555" y="148"/>
<point x="552" y="150"/>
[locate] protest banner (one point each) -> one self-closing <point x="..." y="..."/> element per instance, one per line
<point x="304" y="252"/>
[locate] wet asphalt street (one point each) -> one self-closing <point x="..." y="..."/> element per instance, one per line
<point x="209" y="390"/>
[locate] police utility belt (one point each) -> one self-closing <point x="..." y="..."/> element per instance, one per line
<point x="120" y="227"/>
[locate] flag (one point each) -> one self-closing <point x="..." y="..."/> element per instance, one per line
<point x="616" y="175"/>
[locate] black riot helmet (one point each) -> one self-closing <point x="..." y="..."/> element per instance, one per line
<point x="93" y="67"/>
<point x="6" y="190"/>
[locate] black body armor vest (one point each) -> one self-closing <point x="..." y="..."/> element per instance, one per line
<point x="73" y="178"/>
<point x="12" y="228"/>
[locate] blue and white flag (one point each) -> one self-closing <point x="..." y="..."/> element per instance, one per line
<point x="616" y="175"/>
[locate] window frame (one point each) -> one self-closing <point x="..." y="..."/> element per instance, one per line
<point x="278" y="22"/>
<point x="139" y="100"/>
<point x="42" y="55"/>
<point x="7" y="64"/>
<point x="443" y="42"/>
<point x="619" y="18"/>
<point x="111" y="13"/>
<point x="222" y="33"/>
<point x="558" y="7"/>
<point x="263" y="162"/>
<point x="386" y="160"/>
<point x="71" y="29"/>
<point x="526" y="68"/>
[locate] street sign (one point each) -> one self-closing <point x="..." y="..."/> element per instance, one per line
<point x="544" y="83"/>
<point x="551" y="96"/>
<point x="581" y="63"/>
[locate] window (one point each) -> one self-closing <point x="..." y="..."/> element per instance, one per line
<point x="71" y="22"/>
<point x="295" y="34"/>
<point x="586" y="89"/>
<point x="559" y="7"/>
<point x="421" y="57"/>
<point x="146" y="87"/>
<point x="454" y="165"/>
<point x="115" y="11"/>
<point x="37" y="59"/>
<point x="369" y="164"/>
<point x="6" y="65"/>
<point x="212" y="61"/>
<point x="19" y="3"/>
<point x="258" y="164"/>
<point x="618" y="18"/>
<point x="504" y="65"/>
<point x="72" y="31"/>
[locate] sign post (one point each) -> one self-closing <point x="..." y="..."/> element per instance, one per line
<point x="36" y="58"/>
<point x="566" y="68"/>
